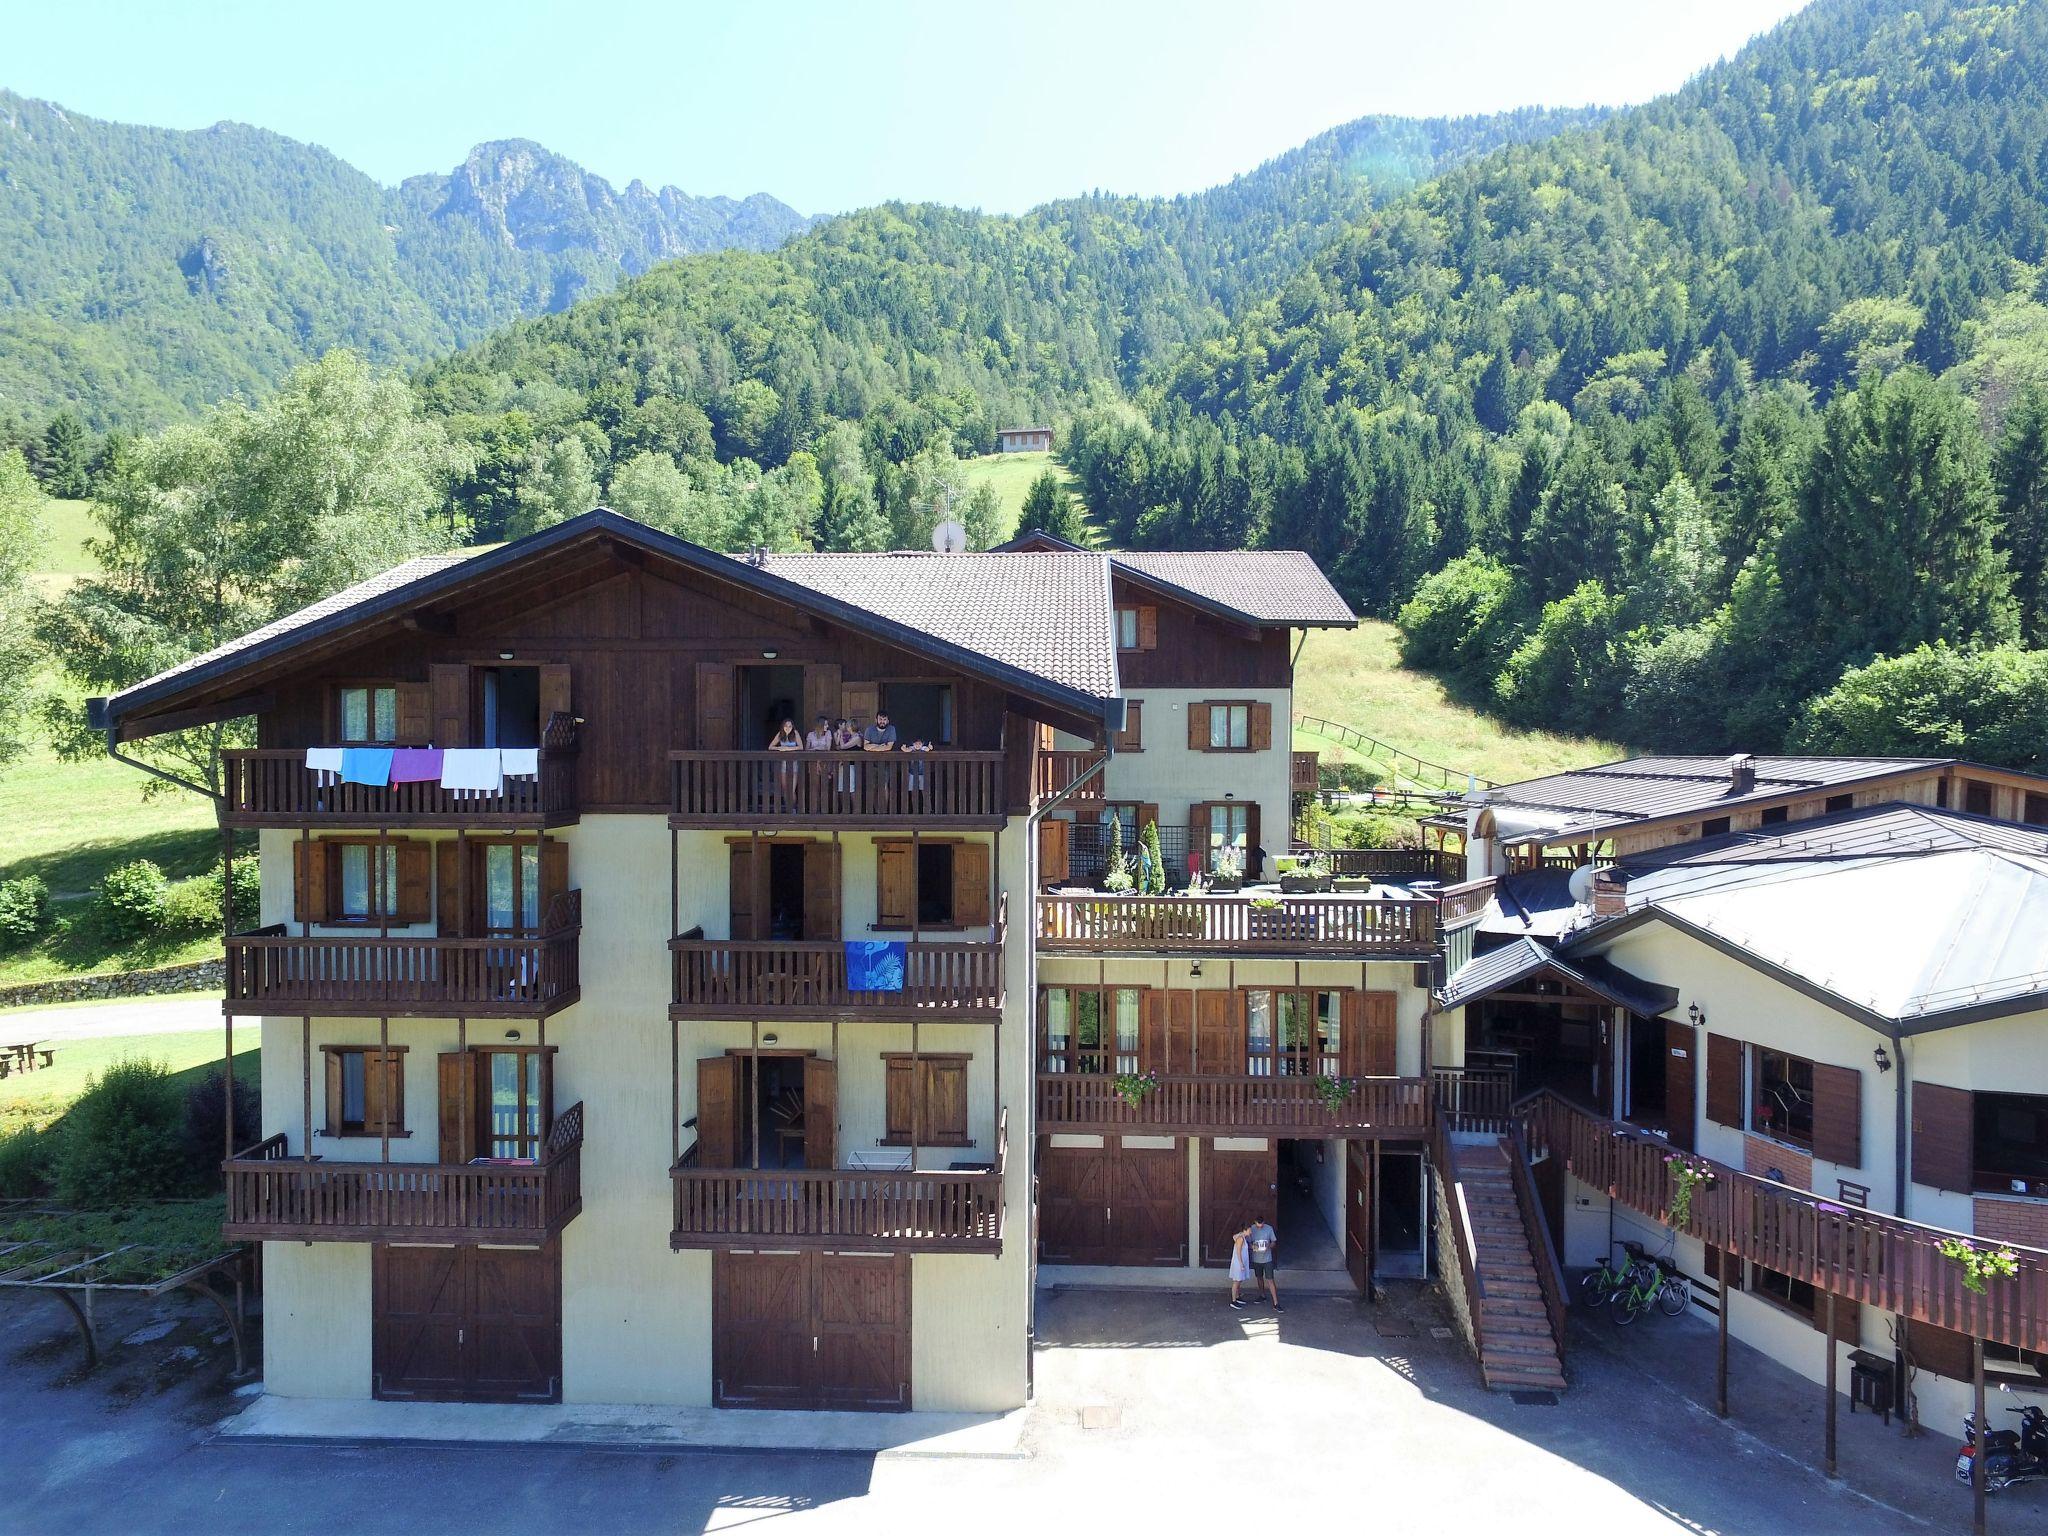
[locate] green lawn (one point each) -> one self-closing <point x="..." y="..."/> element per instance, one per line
<point x="1011" y="474"/>
<point x="35" y="1099"/>
<point x="66" y="527"/>
<point x="1355" y="678"/>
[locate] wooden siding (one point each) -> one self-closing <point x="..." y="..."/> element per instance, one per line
<point x="1222" y="1105"/>
<point x="274" y="788"/>
<point x="759" y="979"/>
<point x="1195" y="650"/>
<point x="1300" y="925"/>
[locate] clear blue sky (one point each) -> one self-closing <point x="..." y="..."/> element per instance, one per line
<point x="832" y="106"/>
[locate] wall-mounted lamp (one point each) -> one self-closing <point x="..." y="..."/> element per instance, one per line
<point x="770" y="1039"/>
<point x="1697" y="1014"/>
<point x="511" y="1034"/>
<point x="504" y="655"/>
<point x="1882" y="1058"/>
<point x="1194" y="967"/>
<point x="770" y="655"/>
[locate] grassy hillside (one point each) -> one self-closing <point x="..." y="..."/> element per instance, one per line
<point x="1011" y="474"/>
<point x="36" y="1099"/>
<point x="1355" y="678"/>
<point x="66" y="527"/>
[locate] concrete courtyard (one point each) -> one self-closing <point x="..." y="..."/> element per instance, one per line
<point x="1153" y="1407"/>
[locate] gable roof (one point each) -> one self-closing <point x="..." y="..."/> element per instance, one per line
<point x="1272" y="588"/>
<point x="1048" y="637"/>
<point x="1500" y="968"/>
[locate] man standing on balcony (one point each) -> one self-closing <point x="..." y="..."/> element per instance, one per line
<point x="1260" y="1240"/>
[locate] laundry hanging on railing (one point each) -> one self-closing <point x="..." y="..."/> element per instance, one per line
<point x="416" y="765"/>
<point x="325" y="761"/>
<point x="465" y="770"/>
<point x="473" y="768"/>
<point x="875" y="965"/>
<point x="366" y="765"/>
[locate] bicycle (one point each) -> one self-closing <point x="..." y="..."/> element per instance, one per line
<point x="1663" y="1288"/>
<point x="1602" y="1285"/>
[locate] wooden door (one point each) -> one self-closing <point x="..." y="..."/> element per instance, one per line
<point x="1219" y="1033"/>
<point x="821" y="693"/>
<point x="821" y="892"/>
<point x="1054" y="851"/>
<point x="971" y="908"/>
<point x="1358" y="1227"/>
<point x="469" y="1324"/>
<point x="1165" y="1031"/>
<point x="748" y="888"/>
<point x="860" y="1320"/>
<point x="1148" y="1209"/>
<point x="719" y="1120"/>
<point x="895" y="885"/>
<point x="859" y="702"/>
<point x="761" y="1330"/>
<point x="449" y="687"/>
<point x="1236" y="1187"/>
<point x="456" y="1079"/>
<point x="714" y="706"/>
<point x="1073" y="1204"/>
<point x="821" y="1112"/>
<point x="1680" y="1069"/>
<point x="1370" y="1030"/>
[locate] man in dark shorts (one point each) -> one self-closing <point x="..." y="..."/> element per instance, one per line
<point x="1260" y="1241"/>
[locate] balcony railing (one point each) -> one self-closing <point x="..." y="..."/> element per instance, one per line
<point x="846" y="789"/>
<point x="1056" y="772"/>
<point x="1301" y="773"/>
<point x="272" y="1195"/>
<point x="758" y="978"/>
<point x="1881" y="1261"/>
<point x="1293" y="925"/>
<point x="952" y="1211"/>
<point x="276" y="789"/>
<point x="1269" y="1106"/>
<point x="274" y="971"/>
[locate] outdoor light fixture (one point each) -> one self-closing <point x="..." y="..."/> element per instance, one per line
<point x="511" y="1034"/>
<point x="1194" y="967"/>
<point x="769" y="655"/>
<point x="1697" y="1014"/>
<point x="1883" y="1060"/>
<point x="770" y="1039"/>
<point x="504" y="655"/>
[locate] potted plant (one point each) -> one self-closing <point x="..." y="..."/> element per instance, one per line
<point x="1116" y="873"/>
<point x="1979" y="1264"/>
<point x="1689" y="1175"/>
<point x="1134" y="1087"/>
<point x="1304" y="876"/>
<point x="1228" y="873"/>
<point x="1151" y="865"/>
<point x="1332" y="1092"/>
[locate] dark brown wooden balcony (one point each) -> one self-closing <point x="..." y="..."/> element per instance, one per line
<point x="1306" y="926"/>
<point x="836" y="789"/>
<point x="1056" y="772"/>
<point x="759" y="979"/>
<point x="958" y="1210"/>
<point x="276" y="789"/>
<point x="275" y="971"/>
<point x="272" y="1195"/>
<point x="1257" y="1106"/>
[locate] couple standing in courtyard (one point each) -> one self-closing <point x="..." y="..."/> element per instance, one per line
<point x="1251" y="1258"/>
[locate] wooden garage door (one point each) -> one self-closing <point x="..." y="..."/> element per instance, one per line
<point x="1236" y="1186"/>
<point x="1073" y="1205"/>
<point x="811" y="1330"/>
<point x="1113" y="1204"/>
<point x="468" y="1325"/>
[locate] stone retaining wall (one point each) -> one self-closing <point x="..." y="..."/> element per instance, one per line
<point x="199" y="976"/>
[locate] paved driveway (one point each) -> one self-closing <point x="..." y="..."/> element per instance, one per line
<point x="1154" y="1410"/>
<point x="170" y="1015"/>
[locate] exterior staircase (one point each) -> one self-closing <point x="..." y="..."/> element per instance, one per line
<point x="1517" y="1349"/>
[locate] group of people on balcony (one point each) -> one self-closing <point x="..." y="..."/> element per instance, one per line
<point x="843" y="736"/>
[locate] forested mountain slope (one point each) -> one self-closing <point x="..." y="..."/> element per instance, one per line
<point x="147" y="271"/>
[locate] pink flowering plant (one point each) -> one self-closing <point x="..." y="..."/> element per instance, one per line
<point x="1980" y="1264"/>
<point x="1688" y="1175"/>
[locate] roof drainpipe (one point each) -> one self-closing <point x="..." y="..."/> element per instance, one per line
<point x="114" y="751"/>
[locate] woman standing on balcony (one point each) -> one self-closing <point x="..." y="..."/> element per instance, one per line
<point x="786" y="739"/>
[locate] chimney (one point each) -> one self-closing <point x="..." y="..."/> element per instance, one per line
<point x="1741" y="773"/>
<point x="1610" y="893"/>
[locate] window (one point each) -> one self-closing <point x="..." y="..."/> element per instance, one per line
<point x="1976" y="798"/>
<point x="361" y="1099"/>
<point x="369" y="882"/>
<point x="368" y="713"/>
<point x="1773" y="815"/>
<point x="937" y="883"/>
<point x="1230" y="727"/>
<point x="1229" y="829"/>
<point x="1781" y="1097"/>
<point x="1132" y="737"/>
<point x="2035" y="811"/>
<point x="1796" y="1295"/>
<point x="1127" y="629"/>
<point x="1713" y="826"/>
<point x="511" y="887"/>
<point x="2011" y="1143"/>
<point x="361" y="881"/>
<point x="1839" y="803"/>
<point x="510" y="1110"/>
<point x="927" y="1103"/>
<point x="1088" y="1029"/>
<point x="1293" y="1034"/>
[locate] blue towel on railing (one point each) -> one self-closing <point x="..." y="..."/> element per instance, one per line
<point x="874" y="965"/>
<point x="366" y="765"/>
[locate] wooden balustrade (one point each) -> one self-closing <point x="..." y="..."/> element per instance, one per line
<point x="1462" y="1242"/>
<point x="1542" y="1251"/>
<point x="274" y="971"/>
<point x="1317" y="925"/>
<point x="845" y="789"/>
<point x="1863" y="1256"/>
<point x="754" y="978"/>
<point x="1272" y="1106"/>
<point x="1396" y="866"/>
<point x="1302" y="773"/>
<point x="928" y="1211"/>
<point x="276" y="789"/>
<point x="1056" y="772"/>
<point x="272" y="1195"/>
<point x="1474" y="1098"/>
<point x="1469" y="899"/>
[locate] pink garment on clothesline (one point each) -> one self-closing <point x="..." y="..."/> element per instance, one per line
<point x="416" y="765"/>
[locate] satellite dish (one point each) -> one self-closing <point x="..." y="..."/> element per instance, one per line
<point x="1581" y="883"/>
<point x="949" y="538"/>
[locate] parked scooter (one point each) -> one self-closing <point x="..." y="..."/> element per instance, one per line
<point x="2010" y="1456"/>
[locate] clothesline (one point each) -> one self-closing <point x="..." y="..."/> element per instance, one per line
<point x="474" y="769"/>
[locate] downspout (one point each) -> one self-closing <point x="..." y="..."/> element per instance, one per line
<point x="114" y="751"/>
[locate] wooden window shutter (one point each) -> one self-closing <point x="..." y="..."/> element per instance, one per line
<point x="383" y="1092"/>
<point x="554" y="875"/>
<point x="748" y="914"/>
<point x="554" y="692"/>
<point x="1370" y="1021"/>
<point x="1198" y="833"/>
<point x="458" y="1131"/>
<point x="1148" y="628"/>
<point x="895" y="884"/>
<point x="1253" y="869"/>
<point x="309" y="881"/>
<point x="1198" y="727"/>
<point x="1155" y="1050"/>
<point x="1261" y="727"/>
<point x="1148" y="815"/>
<point x="859" y="702"/>
<point x="1944" y="1133"/>
<point x="1220" y="1033"/>
<point x="1054" y="864"/>
<point x="896" y="1111"/>
<point x="945" y="1099"/>
<point x="415" y="880"/>
<point x="449" y="684"/>
<point x="714" y="706"/>
<point x="448" y="918"/>
<point x="821" y="894"/>
<point x="821" y="694"/>
<point x="1132" y="737"/>
<point x="718" y="1111"/>
<point x="1681" y="1051"/>
<point x="415" y="714"/>
<point x="333" y="1126"/>
<point x="1710" y="1262"/>
<point x="1940" y="1350"/>
<point x="970" y="885"/>
<point x="1724" y="1080"/>
<point x="1838" y="1114"/>
<point x="821" y="1111"/>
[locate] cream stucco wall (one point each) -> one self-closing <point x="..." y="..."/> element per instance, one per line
<point x="1991" y="1056"/>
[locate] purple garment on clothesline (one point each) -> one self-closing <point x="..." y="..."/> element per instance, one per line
<point x="416" y="765"/>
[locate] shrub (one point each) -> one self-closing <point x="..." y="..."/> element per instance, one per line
<point x="24" y="909"/>
<point x="24" y="1164"/>
<point x="1354" y="778"/>
<point x="248" y="892"/>
<point x="133" y="901"/>
<point x="123" y="1139"/>
<point x="1562" y="677"/>
<point x="1376" y="830"/>
<point x="1991" y="704"/>
<point x="192" y="906"/>
<point x="206" y="1129"/>
<point x="1461" y="622"/>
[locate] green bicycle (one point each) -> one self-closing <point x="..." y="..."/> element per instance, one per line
<point x="1653" y="1285"/>
<point x="1610" y="1280"/>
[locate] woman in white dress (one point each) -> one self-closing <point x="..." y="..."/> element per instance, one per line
<point x="1240" y="1269"/>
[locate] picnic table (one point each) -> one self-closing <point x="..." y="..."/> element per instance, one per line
<point x="24" y="1056"/>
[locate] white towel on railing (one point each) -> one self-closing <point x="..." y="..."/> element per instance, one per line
<point x="520" y="762"/>
<point x="473" y="768"/>
<point x="325" y="761"/>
